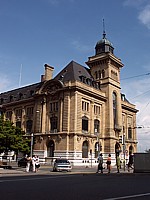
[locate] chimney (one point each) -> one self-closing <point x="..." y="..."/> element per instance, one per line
<point x="42" y="78"/>
<point x="48" y="72"/>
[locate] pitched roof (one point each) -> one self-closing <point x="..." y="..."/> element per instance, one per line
<point x="73" y="71"/>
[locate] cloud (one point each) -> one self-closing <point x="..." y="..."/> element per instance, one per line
<point x="80" y="47"/>
<point x="4" y="83"/>
<point x="143" y="7"/>
<point x="144" y="16"/>
<point x="53" y="2"/>
<point x="134" y="3"/>
<point x="137" y="91"/>
<point x="57" y="2"/>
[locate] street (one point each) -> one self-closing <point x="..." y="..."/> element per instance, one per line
<point x="67" y="186"/>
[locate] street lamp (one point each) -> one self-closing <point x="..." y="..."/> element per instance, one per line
<point x="98" y="142"/>
<point x="31" y="154"/>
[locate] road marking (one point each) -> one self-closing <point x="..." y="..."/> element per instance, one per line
<point x="131" y="196"/>
<point x="40" y="178"/>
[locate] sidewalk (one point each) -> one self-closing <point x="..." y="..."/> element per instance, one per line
<point x="47" y="169"/>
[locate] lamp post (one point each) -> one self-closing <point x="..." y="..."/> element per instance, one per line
<point x="124" y="149"/>
<point x="98" y="142"/>
<point x="123" y="137"/>
<point x="31" y="154"/>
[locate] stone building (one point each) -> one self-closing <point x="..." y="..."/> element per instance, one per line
<point x="78" y="113"/>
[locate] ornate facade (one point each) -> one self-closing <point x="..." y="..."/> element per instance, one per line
<point x="78" y="113"/>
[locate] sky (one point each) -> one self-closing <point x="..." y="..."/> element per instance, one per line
<point x="35" y="32"/>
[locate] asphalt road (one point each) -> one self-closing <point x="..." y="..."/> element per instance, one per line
<point x="75" y="187"/>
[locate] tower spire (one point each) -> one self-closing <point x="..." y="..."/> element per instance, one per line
<point x="104" y="34"/>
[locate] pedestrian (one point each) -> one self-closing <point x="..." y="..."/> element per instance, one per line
<point x="28" y="163"/>
<point x="100" y="163"/>
<point x="33" y="163"/>
<point x="109" y="163"/>
<point x="130" y="163"/>
<point x="37" y="164"/>
<point x="118" y="163"/>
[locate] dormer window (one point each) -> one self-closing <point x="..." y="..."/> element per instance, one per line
<point x="31" y="93"/>
<point x="1" y="101"/>
<point x="11" y="98"/>
<point x="20" y="96"/>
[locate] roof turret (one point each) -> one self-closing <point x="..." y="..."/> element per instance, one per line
<point x="104" y="45"/>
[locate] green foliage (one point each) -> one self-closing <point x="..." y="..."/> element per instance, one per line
<point x="12" y="138"/>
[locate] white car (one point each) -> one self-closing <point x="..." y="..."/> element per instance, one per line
<point x="62" y="164"/>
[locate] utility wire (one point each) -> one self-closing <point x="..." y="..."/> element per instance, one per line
<point x="136" y="76"/>
<point x="141" y="94"/>
<point x="147" y="74"/>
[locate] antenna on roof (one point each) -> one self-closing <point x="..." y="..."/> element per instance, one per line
<point x="20" y="76"/>
<point x="104" y="34"/>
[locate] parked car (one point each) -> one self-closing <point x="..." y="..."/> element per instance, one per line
<point x="22" y="162"/>
<point x="62" y="164"/>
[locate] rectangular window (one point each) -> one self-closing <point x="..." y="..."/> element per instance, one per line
<point x="29" y="111"/>
<point x="85" y="106"/>
<point x="129" y="121"/>
<point x="18" y="112"/>
<point x="8" y="115"/>
<point x="129" y="133"/>
<point x="54" y="107"/>
<point x="96" y="110"/>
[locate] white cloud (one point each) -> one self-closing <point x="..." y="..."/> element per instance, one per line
<point x="4" y="83"/>
<point x="143" y="7"/>
<point x="57" y="2"/>
<point x="144" y="16"/>
<point x="53" y="2"/>
<point x="80" y="47"/>
<point x="134" y="3"/>
<point x="138" y="93"/>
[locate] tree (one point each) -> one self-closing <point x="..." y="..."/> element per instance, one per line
<point x="12" y="138"/>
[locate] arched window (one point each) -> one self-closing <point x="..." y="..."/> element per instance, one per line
<point x="103" y="73"/>
<point x="96" y="126"/>
<point x="115" y="109"/>
<point x="99" y="74"/>
<point x="29" y="126"/>
<point x="50" y="149"/>
<point x="54" y="123"/>
<point x="85" y="149"/>
<point x="84" y="123"/>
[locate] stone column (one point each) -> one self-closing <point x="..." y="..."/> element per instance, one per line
<point x="13" y="118"/>
<point x="75" y="113"/>
<point x="91" y="120"/>
<point x="23" y="120"/>
<point x="60" y="114"/>
<point x="43" y="115"/>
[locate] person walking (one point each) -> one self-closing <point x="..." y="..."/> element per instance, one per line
<point x="100" y="163"/>
<point x="118" y="163"/>
<point x="130" y="163"/>
<point x="28" y="163"/>
<point x="33" y="163"/>
<point x="109" y="163"/>
<point x="37" y="164"/>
